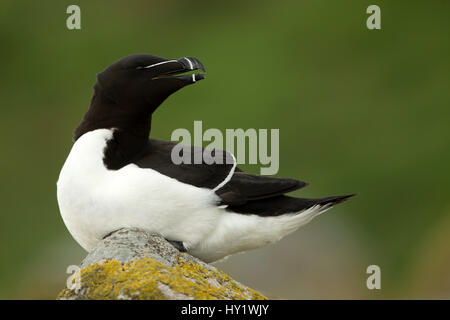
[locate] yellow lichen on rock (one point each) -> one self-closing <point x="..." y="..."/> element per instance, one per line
<point x="132" y="263"/>
<point x="147" y="278"/>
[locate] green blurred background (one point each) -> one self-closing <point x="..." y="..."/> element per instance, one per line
<point x="358" y="111"/>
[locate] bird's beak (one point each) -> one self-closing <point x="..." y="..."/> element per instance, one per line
<point x="176" y="68"/>
<point x="191" y="63"/>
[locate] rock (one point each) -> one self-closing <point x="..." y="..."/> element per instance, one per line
<point x="134" y="264"/>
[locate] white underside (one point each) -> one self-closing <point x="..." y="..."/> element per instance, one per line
<point x="95" y="201"/>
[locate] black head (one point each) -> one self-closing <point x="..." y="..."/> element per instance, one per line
<point x="129" y="91"/>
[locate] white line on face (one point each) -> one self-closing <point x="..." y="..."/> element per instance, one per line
<point x="159" y="63"/>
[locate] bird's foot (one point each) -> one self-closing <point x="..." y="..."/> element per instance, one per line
<point x="178" y="245"/>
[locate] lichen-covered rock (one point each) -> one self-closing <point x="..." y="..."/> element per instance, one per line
<point x="133" y="264"/>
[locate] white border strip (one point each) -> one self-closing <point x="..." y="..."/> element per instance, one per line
<point x="228" y="178"/>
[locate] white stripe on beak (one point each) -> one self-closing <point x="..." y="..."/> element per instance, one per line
<point x="190" y="63"/>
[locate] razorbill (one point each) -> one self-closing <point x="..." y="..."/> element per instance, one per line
<point x="115" y="177"/>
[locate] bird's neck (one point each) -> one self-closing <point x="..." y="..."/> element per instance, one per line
<point x="104" y="113"/>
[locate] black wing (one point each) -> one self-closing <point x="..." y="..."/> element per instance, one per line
<point x="242" y="187"/>
<point x="243" y="193"/>
<point x="264" y="196"/>
<point x="158" y="156"/>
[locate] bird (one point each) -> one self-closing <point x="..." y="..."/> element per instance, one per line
<point x="116" y="177"/>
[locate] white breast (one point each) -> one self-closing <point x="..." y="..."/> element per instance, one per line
<point x="95" y="201"/>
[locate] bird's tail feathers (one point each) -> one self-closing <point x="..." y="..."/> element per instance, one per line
<point x="281" y="205"/>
